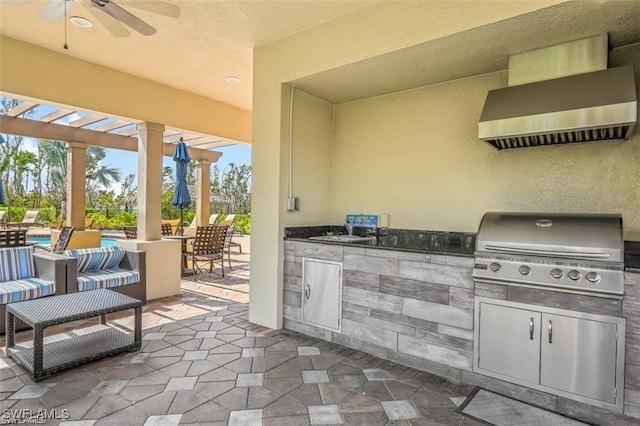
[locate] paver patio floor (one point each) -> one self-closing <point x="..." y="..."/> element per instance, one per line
<point x="203" y="362"/>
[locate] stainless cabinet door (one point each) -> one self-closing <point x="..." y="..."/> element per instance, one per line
<point x="579" y="356"/>
<point x="509" y="340"/>
<point x="321" y="293"/>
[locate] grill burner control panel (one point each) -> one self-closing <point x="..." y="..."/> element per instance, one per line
<point x="587" y="276"/>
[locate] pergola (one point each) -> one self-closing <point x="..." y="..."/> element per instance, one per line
<point x="80" y="129"/>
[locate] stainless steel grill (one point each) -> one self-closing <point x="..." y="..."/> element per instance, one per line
<point x="576" y="252"/>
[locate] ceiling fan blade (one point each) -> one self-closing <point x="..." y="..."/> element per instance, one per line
<point x="158" y="7"/>
<point x="128" y="18"/>
<point x="109" y="22"/>
<point x="54" y="9"/>
<point x="17" y="2"/>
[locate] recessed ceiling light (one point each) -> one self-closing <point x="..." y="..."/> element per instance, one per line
<point x="232" y="80"/>
<point x="80" y="22"/>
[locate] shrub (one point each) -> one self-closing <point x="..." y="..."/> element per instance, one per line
<point x="242" y="223"/>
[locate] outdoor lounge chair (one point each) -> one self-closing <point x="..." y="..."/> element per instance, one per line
<point x="29" y="219"/>
<point x="26" y="275"/>
<point x="228" y="219"/>
<point x="114" y="268"/>
<point x="2" y="213"/>
<point x="208" y="247"/>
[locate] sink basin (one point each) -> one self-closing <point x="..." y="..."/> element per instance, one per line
<point x="341" y="238"/>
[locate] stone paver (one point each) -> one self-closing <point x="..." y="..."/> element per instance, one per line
<point x="400" y="410"/>
<point x="315" y="376"/>
<point x="203" y="362"/>
<point x="245" y="418"/>
<point x="325" y="415"/>
<point x="250" y="379"/>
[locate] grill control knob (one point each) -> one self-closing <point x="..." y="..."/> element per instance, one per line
<point x="524" y="270"/>
<point x="574" y="275"/>
<point x="557" y="273"/>
<point x="495" y="267"/>
<point x="593" y="277"/>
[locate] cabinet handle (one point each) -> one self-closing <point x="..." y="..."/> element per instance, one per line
<point x="307" y="291"/>
<point x="550" y="331"/>
<point x="531" y="328"/>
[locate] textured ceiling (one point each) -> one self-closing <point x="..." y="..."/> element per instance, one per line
<point x="209" y="41"/>
<point x="478" y="51"/>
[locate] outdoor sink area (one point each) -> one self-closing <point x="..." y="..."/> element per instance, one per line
<point x="341" y="238"/>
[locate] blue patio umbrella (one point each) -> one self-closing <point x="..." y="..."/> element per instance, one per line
<point x="181" y="197"/>
<point x="2" y="200"/>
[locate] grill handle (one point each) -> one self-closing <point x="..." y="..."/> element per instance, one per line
<point x="548" y="252"/>
<point x="550" y="331"/>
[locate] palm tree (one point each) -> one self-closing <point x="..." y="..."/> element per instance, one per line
<point x="98" y="175"/>
<point x="23" y="160"/>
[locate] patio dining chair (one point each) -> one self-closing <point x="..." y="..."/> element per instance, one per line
<point x="208" y="247"/>
<point x="13" y="237"/>
<point x="166" y="230"/>
<point x="63" y="240"/>
<point x="228" y="243"/>
<point x="130" y="232"/>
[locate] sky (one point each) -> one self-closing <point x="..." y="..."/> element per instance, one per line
<point x="127" y="161"/>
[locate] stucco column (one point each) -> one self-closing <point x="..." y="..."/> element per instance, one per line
<point x="149" y="180"/>
<point x="203" y="191"/>
<point x="76" y="184"/>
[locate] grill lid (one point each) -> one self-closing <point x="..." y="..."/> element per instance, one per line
<point x="572" y="236"/>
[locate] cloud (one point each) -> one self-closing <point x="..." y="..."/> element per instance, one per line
<point x="29" y="144"/>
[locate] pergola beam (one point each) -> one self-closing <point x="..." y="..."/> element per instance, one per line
<point x="59" y="132"/>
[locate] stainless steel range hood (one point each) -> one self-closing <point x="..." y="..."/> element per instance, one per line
<point x="583" y="107"/>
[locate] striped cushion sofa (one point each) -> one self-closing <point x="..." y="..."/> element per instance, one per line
<point x="26" y="275"/>
<point x="115" y="268"/>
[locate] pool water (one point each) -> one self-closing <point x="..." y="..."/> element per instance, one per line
<point x="46" y="241"/>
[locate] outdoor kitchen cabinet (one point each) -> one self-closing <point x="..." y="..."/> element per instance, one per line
<point x="567" y="353"/>
<point x="322" y="293"/>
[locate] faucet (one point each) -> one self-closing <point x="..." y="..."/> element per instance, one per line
<point x="349" y="227"/>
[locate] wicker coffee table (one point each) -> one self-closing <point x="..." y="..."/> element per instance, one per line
<point x="44" y="356"/>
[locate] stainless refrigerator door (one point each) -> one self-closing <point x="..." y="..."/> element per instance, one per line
<point x="321" y="293"/>
<point x="579" y="356"/>
<point x="509" y="340"/>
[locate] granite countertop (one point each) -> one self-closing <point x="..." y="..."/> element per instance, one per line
<point x="433" y="242"/>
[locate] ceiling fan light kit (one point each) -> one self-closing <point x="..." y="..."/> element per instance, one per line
<point x="81" y="22"/>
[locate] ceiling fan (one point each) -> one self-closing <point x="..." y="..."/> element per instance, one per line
<point x="110" y="14"/>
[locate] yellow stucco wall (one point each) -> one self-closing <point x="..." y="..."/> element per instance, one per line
<point x="425" y="166"/>
<point x="369" y="31"/>
<point x="42" y="74"/>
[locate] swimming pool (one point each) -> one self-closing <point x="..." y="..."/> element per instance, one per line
<point x="46" y="241"/>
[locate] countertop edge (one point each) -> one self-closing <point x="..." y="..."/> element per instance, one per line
<point x="361" y="245"/>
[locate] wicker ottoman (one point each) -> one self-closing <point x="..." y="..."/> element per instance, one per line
<point x="43" y="357"/>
